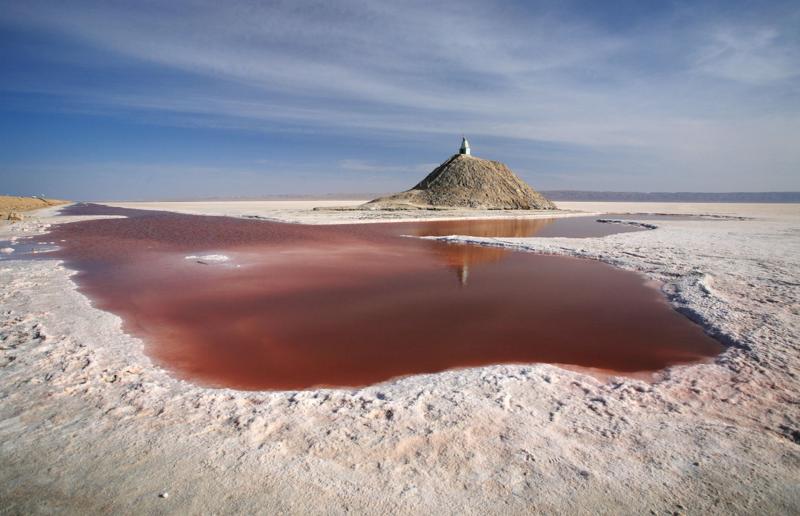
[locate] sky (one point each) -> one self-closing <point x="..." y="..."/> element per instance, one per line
<point x="196" y="99"/>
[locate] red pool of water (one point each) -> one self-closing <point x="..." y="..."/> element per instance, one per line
<point x="300" y="306"/>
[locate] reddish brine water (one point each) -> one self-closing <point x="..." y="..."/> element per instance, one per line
<point x="298" y="306"/>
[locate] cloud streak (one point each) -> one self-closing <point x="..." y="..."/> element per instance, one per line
<point x="694" y="92"/>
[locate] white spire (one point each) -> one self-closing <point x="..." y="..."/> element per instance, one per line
<point x="464" y="146"/>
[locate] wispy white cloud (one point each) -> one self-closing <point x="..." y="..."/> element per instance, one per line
<point x="362" y="166"/>
<point x="750" y="55"/>
<point x="696" y="92"/>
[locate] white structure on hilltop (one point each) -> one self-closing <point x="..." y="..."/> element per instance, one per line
<point x="464" y="146"/>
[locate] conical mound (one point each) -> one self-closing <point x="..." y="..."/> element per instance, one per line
<point x="464" y="181"/>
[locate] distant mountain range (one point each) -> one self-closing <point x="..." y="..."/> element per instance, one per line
<point x="758" y="197"/>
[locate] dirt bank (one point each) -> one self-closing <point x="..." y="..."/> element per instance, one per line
<point x="10" y="204"/>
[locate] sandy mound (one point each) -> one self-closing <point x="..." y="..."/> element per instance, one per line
<point x="10" y="206"/>
<point x="465" y="181"/>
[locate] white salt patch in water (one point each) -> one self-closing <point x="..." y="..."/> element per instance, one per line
<point x="208" y="258"/>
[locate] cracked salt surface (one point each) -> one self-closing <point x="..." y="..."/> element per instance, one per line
<point x="717" y="438"/>
<point x="24" y="247"/>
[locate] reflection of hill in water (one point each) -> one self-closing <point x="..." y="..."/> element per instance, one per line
<point x="482" y="228"/>
<point x="461" y="257"/>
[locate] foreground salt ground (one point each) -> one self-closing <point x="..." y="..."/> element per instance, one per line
<point x="87" y="423"/>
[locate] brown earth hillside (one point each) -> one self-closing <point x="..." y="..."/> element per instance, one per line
<point x="11" y="206"/>
<point x="464" y="181"/>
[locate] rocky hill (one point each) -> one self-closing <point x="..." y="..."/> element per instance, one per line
<point x="464" y="181"/>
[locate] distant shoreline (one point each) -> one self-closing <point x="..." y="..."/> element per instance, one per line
<point x="554" y="195"/>
<point x="704" y="197"/>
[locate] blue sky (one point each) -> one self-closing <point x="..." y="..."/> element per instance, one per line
<point x="187" y="99"/>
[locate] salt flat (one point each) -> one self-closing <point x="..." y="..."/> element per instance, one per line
<point x="327" y="211"/>
<point x="87" y="423"/>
